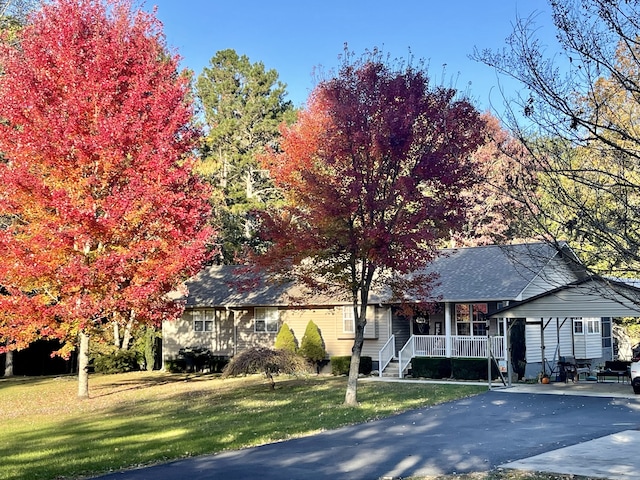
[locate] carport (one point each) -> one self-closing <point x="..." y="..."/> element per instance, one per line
<point x="567" y="321"/>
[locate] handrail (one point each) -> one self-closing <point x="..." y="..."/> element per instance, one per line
<point x="408" y="355"/>
<point x="463" y="346"/>
<point x="386" y="353"/>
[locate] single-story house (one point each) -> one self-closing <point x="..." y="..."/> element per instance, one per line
<point x="533" y="296"/>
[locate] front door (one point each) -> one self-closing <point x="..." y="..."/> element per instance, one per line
<point x="401" y="328"/>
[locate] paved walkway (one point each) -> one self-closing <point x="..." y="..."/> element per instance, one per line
<point x="589" y="429"/>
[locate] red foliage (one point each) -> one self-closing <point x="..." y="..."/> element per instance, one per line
<point x="373" y="172"/>
<point x="493" y="211"/>
<point x="102" y="210"/>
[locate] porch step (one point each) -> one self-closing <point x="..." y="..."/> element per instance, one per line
<point x="392" y="370"/>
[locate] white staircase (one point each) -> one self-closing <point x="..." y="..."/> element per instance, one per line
<point x="392" y="370"/>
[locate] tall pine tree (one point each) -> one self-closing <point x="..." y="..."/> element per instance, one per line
<point x="243" y="105"/>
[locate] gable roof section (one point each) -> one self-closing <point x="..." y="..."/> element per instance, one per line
<point x="591" y="297"/>
<point x="231" y="286"/>
<point x="498" y="272"/>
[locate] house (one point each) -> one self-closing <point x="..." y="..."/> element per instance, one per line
<point x="532" y="296"/>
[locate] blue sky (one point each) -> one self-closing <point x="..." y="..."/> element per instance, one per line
<point x="295" y="37"/>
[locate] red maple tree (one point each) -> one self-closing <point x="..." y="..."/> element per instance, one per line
<point x="373" y="173"/>
<point x="101" y="213"/>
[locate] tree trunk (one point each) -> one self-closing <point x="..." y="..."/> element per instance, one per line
<point x="127" y="331"/>
<point x="83" y="366"/>
<point x="8" y="364"/>
<point x="116" y="333"/>
<point x="351" y="397"/>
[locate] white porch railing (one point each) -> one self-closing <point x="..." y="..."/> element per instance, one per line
<point x="406" y="354"/>
<point x="436" y="346"/>
<point x="386" y="354"/>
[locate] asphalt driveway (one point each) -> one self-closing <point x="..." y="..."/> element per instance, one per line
<point x="473" y="434"/>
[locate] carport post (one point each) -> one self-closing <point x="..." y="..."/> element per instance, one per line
<point x="489" y="359"/>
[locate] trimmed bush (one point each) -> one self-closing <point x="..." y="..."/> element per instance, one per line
<point x="458" y="368"/>
<point x="472" y="369"/>
<point x="118" y="362"/>
<point x="197" y="359"/>
<point x="312" y="345"/>
<point x="340" y="365"/>
<point x="285" y="340"/>
<point x="431" y="367"/>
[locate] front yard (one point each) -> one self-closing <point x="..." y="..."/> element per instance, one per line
<point x="142" y="418"/>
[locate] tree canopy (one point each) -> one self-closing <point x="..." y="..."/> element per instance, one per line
<point x="102" y="213"/>
<point x="372" y="173"/>
<point x="577" y="119"/>
<point x="243" y="105"/>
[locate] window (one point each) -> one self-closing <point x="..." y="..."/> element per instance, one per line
<point x="348" y="320"/>
<point x="471" y="318"/>
<point x="266" y="319"/>
<point x="578" y="327"/>
<point x="593" y="326"/>
<point x="203" y="320"/>
<point x="479" y="311"/>
<point x="463" y="320"/>
<point x="606" y="333"/>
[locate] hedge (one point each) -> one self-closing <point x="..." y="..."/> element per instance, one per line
<point x="197" y="359"/>
<point x="458" y="368"/>
<point x="340" y="365"/>
<point x="120" y="361"/>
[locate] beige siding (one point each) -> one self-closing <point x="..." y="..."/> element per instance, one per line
<point x="246" y="335"/>
<point x="372" y="346"/>
<point x="223" y="339"/>
<point x="325" y="319"/>
<point x="329" y="321"/>
<point x="177" y="334"/>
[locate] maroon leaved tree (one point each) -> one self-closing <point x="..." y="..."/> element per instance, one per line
<point x="101" y="213"/>
<point x="373" y="173"/>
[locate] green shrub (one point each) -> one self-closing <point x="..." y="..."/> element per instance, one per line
<point x="340" y="365"/>
<point x="472" y="369"/>
<point x="431" y="367"/>
<point x="458" y="368"/>
<point x="146" y="346"/>
<point x="197" y="359"/>
<point x="285" y="340"/>
<point x="117" y="362"/>
<point x="312" y="345"/>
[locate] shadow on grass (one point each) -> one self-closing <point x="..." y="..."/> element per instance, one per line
<point x="208" y="417"/>
<point x="144" y="382"/>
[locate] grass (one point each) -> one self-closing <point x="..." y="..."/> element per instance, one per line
<point x="143" y="418"/>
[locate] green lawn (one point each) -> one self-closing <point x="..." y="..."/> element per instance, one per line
<point x="143" y="418"/>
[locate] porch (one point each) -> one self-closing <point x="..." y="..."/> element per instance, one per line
<point x="444" y="346"/>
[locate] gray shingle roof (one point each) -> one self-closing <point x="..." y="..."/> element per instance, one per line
<point x="490" y="273"/>
<point x="233" y="286"/>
